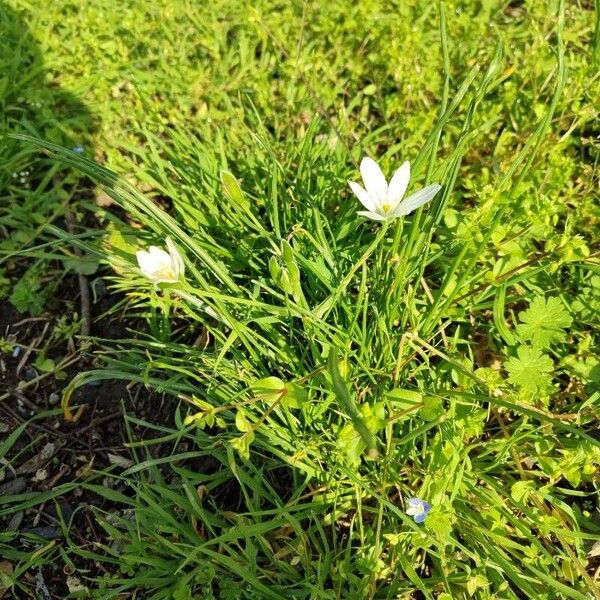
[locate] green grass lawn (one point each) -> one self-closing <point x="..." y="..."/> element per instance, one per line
<point x="323" y="368"/>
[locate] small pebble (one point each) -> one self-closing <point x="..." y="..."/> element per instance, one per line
<point x="95" y="383"/>
<point x="14" y="486"/>
<point x="35" y="462"/>
<point x="40" y="586"/>
<point x="60" y="511"/>
<point x="30" y="373"/>
<point x="53" y="398"/>
<point x="15" y="521"/>
<point x="16" y="351"/>
<point x="40" y="475"/>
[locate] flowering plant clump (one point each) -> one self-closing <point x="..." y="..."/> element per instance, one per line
<point x="326" y="372"/>
<point x="384" y="201"/>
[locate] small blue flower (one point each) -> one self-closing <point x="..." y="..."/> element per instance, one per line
<point x="418" y="509"/>
<point x="78" y="149"/>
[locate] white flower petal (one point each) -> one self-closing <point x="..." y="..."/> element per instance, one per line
<point x="371" y="215"/>
<point x="157" y="265"/>
<point x="417" y="199"/>
<point x="176" y="258"/>
<point x="158" y="255"/>
<point x="374" y="180"/>
<point x="363" y="196"/>
<point x="398" y="185"/>
<point x="145" y="261"/>
<point x="411" y="511"/>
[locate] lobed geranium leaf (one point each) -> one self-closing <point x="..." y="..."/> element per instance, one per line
<point x="529" y="370"/>
<point x="544" y="322"/>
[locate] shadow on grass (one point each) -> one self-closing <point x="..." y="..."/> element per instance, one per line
<point x="29" y="100"/>
<point x="34" y="189"/>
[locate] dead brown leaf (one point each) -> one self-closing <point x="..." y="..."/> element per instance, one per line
<point x="120" y="461"/>
<point x="6" y="568"/>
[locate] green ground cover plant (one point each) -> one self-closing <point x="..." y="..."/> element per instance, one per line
<point x="334" y="372"/>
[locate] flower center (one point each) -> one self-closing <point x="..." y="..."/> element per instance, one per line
<point x="386" y="208"/>
<point x="167" y="273"/>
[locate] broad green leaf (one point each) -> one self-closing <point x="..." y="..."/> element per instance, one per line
<point x="269" y="389"/>
<point x="405" y="400"/>
<point x="241" y="422"/>
<point x="521" y="490"/>
<point x="351" y="444"/>
<point x="439" y="521"/>
<point x="544" y="322"/>
<point x="85" y="265"/>
<point x="432" y="408"/>
<point x="242" y="444"/>
<point x="294" y="396"/>
<point x="45" y="364"/>
<point x="232" y="189"/>
<point x="475" y="582"/>
<point x="530" y="369"/>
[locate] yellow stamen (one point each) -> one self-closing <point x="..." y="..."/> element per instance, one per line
<point x="386" y="208"/>
<point x="167" y="273"/>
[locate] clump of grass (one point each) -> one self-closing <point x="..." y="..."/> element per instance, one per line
<point x="329" y="368"/>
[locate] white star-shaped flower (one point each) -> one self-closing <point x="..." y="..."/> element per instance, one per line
<point x="160" y="266"/>
<point x="384" y="201"/>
